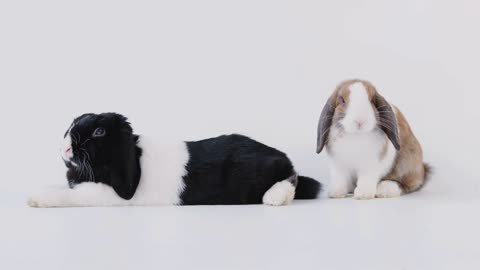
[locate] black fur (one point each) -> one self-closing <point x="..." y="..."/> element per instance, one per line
<point x="113" y="159"/>
<point x="230" y="169"/>
<point x="235" y="169"/>
<point x="307" y="188"/>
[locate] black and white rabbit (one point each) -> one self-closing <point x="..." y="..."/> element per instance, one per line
<point x="108" y="165"/>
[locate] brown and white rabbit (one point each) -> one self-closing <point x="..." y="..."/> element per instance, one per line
<point x="371" y="148"/>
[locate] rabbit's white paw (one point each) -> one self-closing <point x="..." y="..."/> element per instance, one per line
<point x="282" y="193"/>
<point x="364" y="193"/>
<point x="336" y="194"/>
<point x="388" y="189"/>
<point x="48" y="198"/>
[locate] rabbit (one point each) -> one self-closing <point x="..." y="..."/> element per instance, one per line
<point x="370" y="146"/>
<point x="109" y="165"/>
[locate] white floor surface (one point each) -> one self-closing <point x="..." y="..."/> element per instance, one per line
<point x="420" y="231"/>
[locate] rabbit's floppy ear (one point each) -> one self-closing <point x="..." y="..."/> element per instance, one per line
<point x="387" y="120"/>
<point x="325" y="123"/>
<point x="125" y="168"/>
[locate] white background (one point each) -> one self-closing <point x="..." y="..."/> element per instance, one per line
<point x="197" y="69"/>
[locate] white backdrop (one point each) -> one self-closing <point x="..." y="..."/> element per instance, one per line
<point x="197" y="69"/>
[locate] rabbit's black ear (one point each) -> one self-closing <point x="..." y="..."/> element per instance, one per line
<point x="387" y="120"/>
<point x="125" y="168"/>
<point x="325" y="123"/>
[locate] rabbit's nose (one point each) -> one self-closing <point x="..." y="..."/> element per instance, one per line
<point x="359" y="123"/>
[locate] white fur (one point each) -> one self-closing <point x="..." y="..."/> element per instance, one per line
<point x="84" y="195"/>
<point x="388" y="189"/>
<point x="359" y="110"/>
<point x="282" y="193"/>
<point x="343" y="183"/>
<point x="354" y="153"/>
<point x="163" y="168"/>
<point x="161" y="183"/>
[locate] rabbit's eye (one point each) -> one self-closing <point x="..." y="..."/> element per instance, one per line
<point x="342" y="100"/>
<point x="99" y="132"/>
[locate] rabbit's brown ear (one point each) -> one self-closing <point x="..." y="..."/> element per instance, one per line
<point x="325" y="123"/>
<point x="387" y="120"/>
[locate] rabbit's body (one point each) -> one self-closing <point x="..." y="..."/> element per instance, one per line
<point x="409" y="169"/>
<point x="355" y="158"/>
<point x="163" y="168"/>
<point x="114" y="167"/>
<point x="371" y="148"/>
<point x="230" y="169"/>
<point x="360" y="151"/>
<point x="235" y="169"/>
<point x="363" y="157"/>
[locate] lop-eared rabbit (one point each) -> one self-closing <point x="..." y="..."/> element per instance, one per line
<point x="108" y="165"/>
<point x="371" y="148"/>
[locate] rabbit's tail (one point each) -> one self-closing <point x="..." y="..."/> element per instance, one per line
<point x="307" y="188"/>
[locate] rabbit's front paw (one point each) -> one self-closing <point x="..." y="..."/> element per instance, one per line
<point x="46" y="199"/>
<point x="364" y="193"/>
<point x="335" y="194"/>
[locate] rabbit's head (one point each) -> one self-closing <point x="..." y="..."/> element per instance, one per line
<point x="356" y="107"/>
<point x="103" y="148"/>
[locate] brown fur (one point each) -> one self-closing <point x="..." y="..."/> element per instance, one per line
<point x="409" y="170"/>
<point x="372" y="92"/>
<point x="384" y="152"/>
